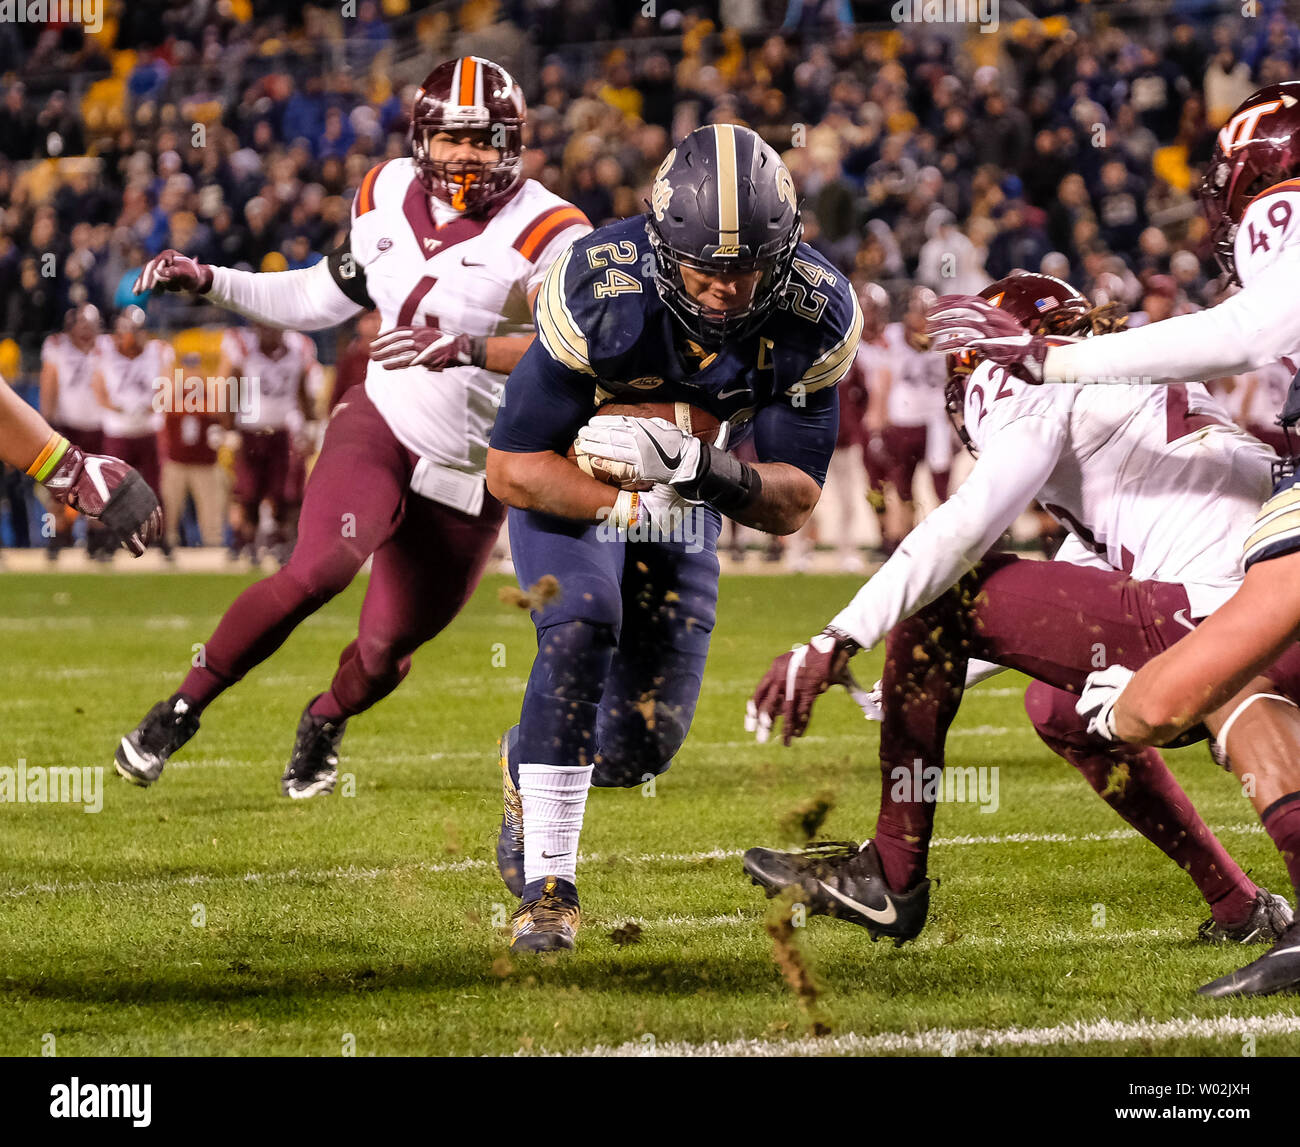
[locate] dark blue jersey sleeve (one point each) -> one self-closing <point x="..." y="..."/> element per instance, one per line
<point x="544" y="406"/>
<point x="802" y="435"/>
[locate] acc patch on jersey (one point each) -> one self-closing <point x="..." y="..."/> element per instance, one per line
<point x="1277" y="528"/>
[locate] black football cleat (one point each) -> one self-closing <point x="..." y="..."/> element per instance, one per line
<point x="510" y="836"/>
<point x="842" y="879"/>
<point x="1270" y="917"/>
<point x="143" y="752"/>
<point x="313" y="767"/>
<point x="548" y="918"/>
<point x="1277" y="970"/>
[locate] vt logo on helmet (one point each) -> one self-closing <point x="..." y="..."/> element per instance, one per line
<point x="723" y="204"/>
<point x="471" y="96"/>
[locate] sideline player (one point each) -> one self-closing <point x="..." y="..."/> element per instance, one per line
<point x="97" y="485"/>
<point x="711" y="300"/>
<point x="451" y="246"/>
<point x="1161" y="488"/>
<point x="915" y="427"/>
<point x="273" y="366"/>
<point x="129" y="368"/>
<point x="68" y="402"/>
<point x="874" y="363"/>
<point x="1251" y="195"/>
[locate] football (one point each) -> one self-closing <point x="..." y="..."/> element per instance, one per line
<point x="691" y="419"/>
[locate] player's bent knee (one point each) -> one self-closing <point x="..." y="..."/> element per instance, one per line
<point x="636" y="751"/>
<point x="1053" y="715"/>
<point x="626" y="774"/>
<point x="320" y="580"/>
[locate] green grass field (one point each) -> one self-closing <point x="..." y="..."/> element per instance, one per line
<point x="210" y="916"/>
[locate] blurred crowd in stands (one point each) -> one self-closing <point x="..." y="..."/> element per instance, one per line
<point x="237" y="131"/>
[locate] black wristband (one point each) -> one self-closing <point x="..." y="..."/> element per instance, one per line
<point x="724" y="481"/>
<point x="477" y="350"/>
<point x="843" y="640"/>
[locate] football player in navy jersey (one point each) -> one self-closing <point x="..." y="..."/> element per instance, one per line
<point x="709" y="299"/>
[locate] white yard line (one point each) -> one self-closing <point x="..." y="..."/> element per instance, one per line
<point x="943" y="1041"/>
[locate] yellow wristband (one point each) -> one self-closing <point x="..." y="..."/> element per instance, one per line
<point x="50" y="456"/>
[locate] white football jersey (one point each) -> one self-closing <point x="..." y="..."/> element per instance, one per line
<point x="1269" y="233"/>
<point x="76" y="407"/>
<point x="1271" y="383"/>
<point x="1157" y="480"/>
<point x="469" y="276"/>
<point x="268" y="392"/>
<point x="918" y="379"/>
<point x="136" y="386"/>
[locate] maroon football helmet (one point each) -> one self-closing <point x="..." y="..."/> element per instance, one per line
<point x="1042" y="304"/>
<point x="469" y="94"/>
<point x="1258" y="148"/>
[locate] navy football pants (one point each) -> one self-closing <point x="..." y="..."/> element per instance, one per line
<point x="620" y="649"/>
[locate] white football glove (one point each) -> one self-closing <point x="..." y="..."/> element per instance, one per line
<point x="660" y="506"/>
<point x="872" y="702"/>
<point x="651" y="449"/>
<point x="1096" y="703"/>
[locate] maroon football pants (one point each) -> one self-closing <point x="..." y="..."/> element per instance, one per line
<point x="905" y="446"/>
<point x="428" y="559"/>
<point x="1056" y="622"/>
<point x="262" y="472"/>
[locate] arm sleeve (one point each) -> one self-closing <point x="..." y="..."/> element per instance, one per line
<point x="1258" y="325"/>
<point x="306" y="300"/>
<point x="802" y="436"/>
<point x="954" y="537"/>
<point x="544" y="405"/>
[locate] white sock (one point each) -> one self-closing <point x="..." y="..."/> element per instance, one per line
<point x="554" y="798"/>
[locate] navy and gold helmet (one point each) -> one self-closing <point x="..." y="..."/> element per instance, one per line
<point x="722" y="201"/>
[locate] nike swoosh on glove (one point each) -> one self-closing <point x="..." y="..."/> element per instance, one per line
<point x="172" y="271"/>
<point x="1096" y="704"/>
<point x="652" y="449"/>
<point x="428" y="346"/>
<point x="107" y="489"/>
<point x="795" y="680"/>
<point x="967" y="322"/>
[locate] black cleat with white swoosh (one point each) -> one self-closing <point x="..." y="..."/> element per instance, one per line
<point x="142" y="754"/>
<point x="1277" y="970"/>
<point x="842" y="879"/>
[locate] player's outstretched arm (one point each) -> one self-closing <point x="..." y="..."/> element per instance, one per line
<point x="312" y="299"/>
<point x="1259" y="325"/>
<point x="96" y="485"/>
<point x="930" y="560"/>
